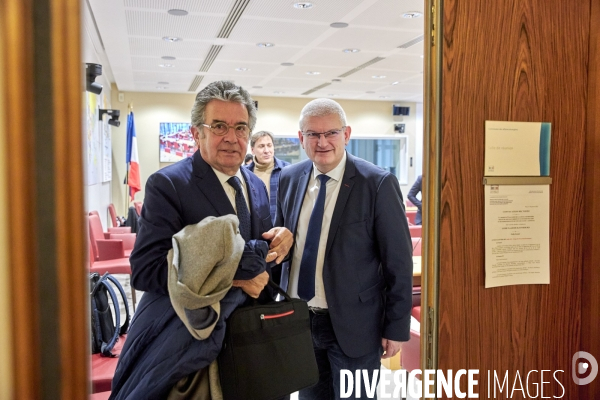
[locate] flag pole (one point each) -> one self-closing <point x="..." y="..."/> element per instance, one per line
<point x="129" y="110"/>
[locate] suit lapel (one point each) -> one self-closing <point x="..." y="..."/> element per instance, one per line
<point x="345" y="189"/>
<point x="252" y="190"/>
<point x="300" y="184"/>
<point x="210" y="186"/>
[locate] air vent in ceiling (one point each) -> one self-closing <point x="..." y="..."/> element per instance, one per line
<point x="234" y="15"/>
<point x="365" y="65"/>
<point x="412" y="42"/>
<point x="210" y="57"/>
<point x="316" y="88"/>
<point x="195" y="83"/>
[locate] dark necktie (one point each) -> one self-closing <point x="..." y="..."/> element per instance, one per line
<point x="242" y="209"/>
<point x="308" y="265"/>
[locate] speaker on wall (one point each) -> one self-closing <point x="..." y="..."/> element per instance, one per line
<point x="397" y="110"/>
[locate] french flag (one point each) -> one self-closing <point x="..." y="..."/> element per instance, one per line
<point x="133" y="163"/>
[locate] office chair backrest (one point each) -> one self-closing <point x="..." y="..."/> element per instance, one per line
<point x="96" y="232"/>
<point x="113" y="215"/>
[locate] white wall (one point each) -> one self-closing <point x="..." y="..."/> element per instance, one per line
<point x="97" y="196"/>
<point x="276" y="114"/>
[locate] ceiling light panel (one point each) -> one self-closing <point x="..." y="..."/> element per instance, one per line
<point x="155" y="77"/>
<point x="241" y="52"/>
<point x="192" y="26"/>
<point x="254" y="68"/>
<point x="366" y="38"/>
<point x="288" y="33"/>
<point x="322" y="11"/>
<point x="327" y="73"/>
<point x="400" y="63"/>
<point x="152" y="64"/>
<point x="158" y="48"/>
<point x="388" y="15"/>
<point x="328" y="57"/>
<point x="193" y="6"/>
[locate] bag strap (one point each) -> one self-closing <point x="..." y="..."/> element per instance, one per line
<point x="279" y="290"/>
<point x="123" y="329"/>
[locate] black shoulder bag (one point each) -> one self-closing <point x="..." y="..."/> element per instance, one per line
<point x="268" y="351"/>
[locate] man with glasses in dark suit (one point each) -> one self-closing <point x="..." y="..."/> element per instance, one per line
<point x="352" y="258"/>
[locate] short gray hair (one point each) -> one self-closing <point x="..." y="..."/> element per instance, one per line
<point x="255" y="136"/>
<point x="225" y="91"/>
<point x="320" y="108"/>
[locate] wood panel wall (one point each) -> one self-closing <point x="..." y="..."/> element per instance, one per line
<point x="515" y="61"/>
<point x="43" y="88"/>
<point x="590" y="285"/>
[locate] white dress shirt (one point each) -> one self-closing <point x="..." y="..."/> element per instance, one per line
<point x="229" y="190"/>
<point x="310" y="197"/>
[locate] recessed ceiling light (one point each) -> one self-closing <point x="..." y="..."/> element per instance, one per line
<point x="172" y="39"/>
<point x="265" y="44"/>
<point x="313" y="73"/>
<point x="242" y="69"/>
<point x="351" y="50"/>
<point x="336" y="80"/>
<point x="421" y="56"/>
<point x="303" y="5"/>
<point x="279" y="92"/>
<point x="166" y="65"/>
<point x="378" y="76"/>
<point x="370" y="92"/>
<point x="163" y="83"/>
<point x="338" y="25"/>
<point x="168" y="57"/>
<point x="287" y="64"/>
<point x="161" y="87"/>
<point x="176" y="12"/>
<point x="384" y="97"/>
<point x="412" y="14"/>
<point x="395" y="83"/>
<point x="331" y="94"/>
<point x="256" y="87"/>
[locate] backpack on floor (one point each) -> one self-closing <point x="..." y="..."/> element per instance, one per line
<point x="105" y="329"/>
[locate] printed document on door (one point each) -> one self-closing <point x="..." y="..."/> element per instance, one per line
<point x="517" y="239"/>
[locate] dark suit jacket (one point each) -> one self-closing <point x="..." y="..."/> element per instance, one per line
<point x="412" y="196"/>
<point x="273" y="182"/>
<point x="368" y="265"/>
<point x="179" y="195"/>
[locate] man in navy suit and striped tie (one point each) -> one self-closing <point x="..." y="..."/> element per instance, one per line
<point x="352" y="257"/>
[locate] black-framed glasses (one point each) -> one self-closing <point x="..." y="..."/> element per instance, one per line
<point x="221" y="129"/>
<point x="332" y="134"/>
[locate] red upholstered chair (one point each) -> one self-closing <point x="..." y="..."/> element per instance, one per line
<point x="116" y="223"/>
<point x="105" y="245"/>
<point x="99" y="396"/>
<point x="416" y="243"/>
<point x="416" y="312"/>
<point x="415" y="231"/>
<point x="411" y="215"/>
<point x="138" y="207"/>
<point x="103" y="369"/>
<point x="112" y="266"/>
<point x="114" y="229"/>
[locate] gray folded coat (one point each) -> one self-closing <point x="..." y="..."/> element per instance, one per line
<point x="202" y="264"/>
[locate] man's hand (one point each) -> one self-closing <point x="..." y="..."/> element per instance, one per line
<point x="254" y="286"/>
<point x="281" y="243"/>
<point x="390" y="348"/>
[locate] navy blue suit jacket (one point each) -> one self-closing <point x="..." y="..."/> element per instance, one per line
<point x="368" y="264"/>
<point x="179" y="195"/>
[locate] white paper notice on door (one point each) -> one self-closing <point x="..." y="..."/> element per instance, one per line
<point x="517" y="148"/>
<point x="517" y="238"/>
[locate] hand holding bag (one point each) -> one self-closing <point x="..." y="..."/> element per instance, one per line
<point x="268" y="351"/>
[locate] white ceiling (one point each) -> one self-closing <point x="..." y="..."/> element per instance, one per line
<point x="131" y="32"/>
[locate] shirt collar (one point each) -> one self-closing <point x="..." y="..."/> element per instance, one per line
<point x="336" y="174"/>
<point x="223" y="178"/>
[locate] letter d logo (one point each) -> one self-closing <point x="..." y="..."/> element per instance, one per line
<point x="580" y="367"/>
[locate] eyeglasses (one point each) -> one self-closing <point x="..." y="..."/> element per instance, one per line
<point x="327" y="135"/>
<point x="221" y="129"/>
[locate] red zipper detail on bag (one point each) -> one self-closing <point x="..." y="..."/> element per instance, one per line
<point x="285" y="314"/>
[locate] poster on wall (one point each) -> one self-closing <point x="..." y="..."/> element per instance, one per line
<point x="176" y="141"/>
<point x="93" y="149"/>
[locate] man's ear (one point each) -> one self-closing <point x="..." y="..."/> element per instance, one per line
<point x="347" y="133"/>
<point x="301" y="138"/>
